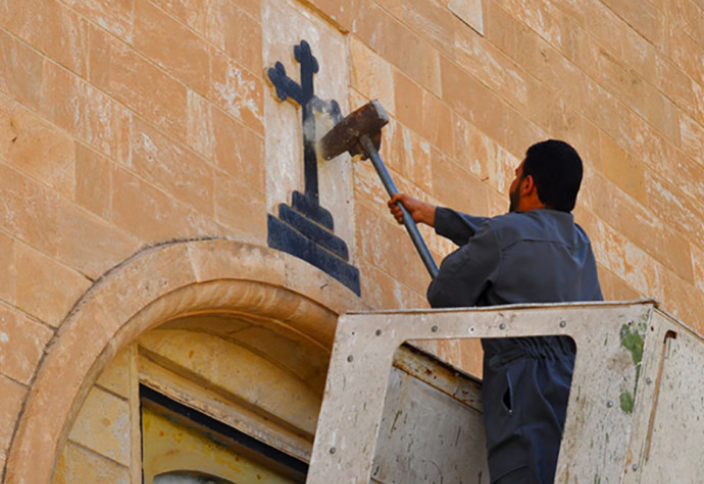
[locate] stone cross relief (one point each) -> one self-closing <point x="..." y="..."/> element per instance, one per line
<point x="306" y="229"/>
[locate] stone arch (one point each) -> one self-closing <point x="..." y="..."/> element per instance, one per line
<point x="157" y="285"/>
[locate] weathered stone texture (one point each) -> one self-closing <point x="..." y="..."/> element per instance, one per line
<point x="129" y="123"/>
<point x="22" y="343"/>
<point x="103" y="426"/>
<point x="12" y="395"/>
<point x="78" y="464"/>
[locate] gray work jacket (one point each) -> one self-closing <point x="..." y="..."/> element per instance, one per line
<point x="539" y="256"/>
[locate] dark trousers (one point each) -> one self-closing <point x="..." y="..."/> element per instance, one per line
<point x="525" y="404"/>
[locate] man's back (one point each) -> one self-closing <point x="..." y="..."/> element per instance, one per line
<point x="540" y="256"/>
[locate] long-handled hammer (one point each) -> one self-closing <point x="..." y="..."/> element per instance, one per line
<point x="360" y="133"/>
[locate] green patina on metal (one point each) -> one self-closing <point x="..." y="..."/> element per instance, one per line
<point x="632" y="339"/>
<point x="627" y="402"/>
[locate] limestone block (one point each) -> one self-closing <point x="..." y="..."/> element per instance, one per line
<point x="623" y="169"/>
<point x="240" y="209"/>
<point x="150" y="214"/>
<point x="698" y="104"/>
<point x="237" y="91"/>
<point x="85" y="112"/>
<point x="458" y="188"/>
<point x="239" y="151"/>
<point x="698" y="265"/>
<point x="683" y="51"/>
<point x="401" y="46"/>
<point x="644" y="18"/>
<point x="542" y="16"/>
<point x="679" y="297"/>
<point x="127" y="76"/>
<point x="80" y="465"/>
<point x="7" y="260"/>
<point x="622" y="257"/>
<point x="172" y="46"/>
<point x="424" y="113"/>
<point x="199" y="129"/>
<point x="173" y="167"/>
<point x="475" y="102"/>
<point x="386" y="292"/>
<point x="45" y="288"/>
<point x="30" y="210"/>
<point x="103" y="425"/>
<point x="11" y="397"/>
<point x="614" y="288"/>
<point x="343" y="16"/>
<point x="243" y="43"/>
<point x="117" y="17"/>
<point x="433" y="21"/>
<point x="89" y="244"/>
<point x="372" y="75"/>
<point x="483" y="156"/>
<point x="20" y="70"/>
<point x="692" y="133"/>
<point x="93" y="181"/>
<point x="671" y="204"/>
<point x="670" y="80"/>
<point x="484" y="61"/>
<point x="193" y="13"/>
<point x="52" y="28"/>
<point x="384" y="245"/>
<point x="282" y="344"/>
<point x="638" y="224"/>
<point x="22" y="343"/>
<point x="37" y="148"/>
<point x="466" y="354"/>
<point x="118" y="377"/>
<point x="470" y="12"/>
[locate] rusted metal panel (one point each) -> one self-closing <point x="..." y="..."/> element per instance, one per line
<point x="618" y="343"/>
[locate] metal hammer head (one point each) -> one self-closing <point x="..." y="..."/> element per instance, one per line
<point x="367" y="120"/>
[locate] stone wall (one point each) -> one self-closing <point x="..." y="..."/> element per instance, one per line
<point x="131" y="123"/>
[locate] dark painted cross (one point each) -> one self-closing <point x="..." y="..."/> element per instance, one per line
<point x="305" y="229"/>
<point x="304" y="95"/>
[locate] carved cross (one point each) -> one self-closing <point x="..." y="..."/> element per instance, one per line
<point x="304" y="95"/>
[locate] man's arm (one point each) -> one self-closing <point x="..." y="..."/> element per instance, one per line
<point x="422" y="212"/>
<point x="456" y="226"/>
<point x="467" y="272"/>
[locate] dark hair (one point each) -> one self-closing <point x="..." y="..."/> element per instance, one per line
<point x="557" y="170"/>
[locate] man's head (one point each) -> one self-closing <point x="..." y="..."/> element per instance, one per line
<point x="551" y="173"/>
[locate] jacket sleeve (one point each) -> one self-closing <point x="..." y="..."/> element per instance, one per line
<point x="466" y="273"/>
<point x="456" y="226"/>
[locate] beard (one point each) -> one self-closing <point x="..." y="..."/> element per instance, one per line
<point x="514" y="198"/>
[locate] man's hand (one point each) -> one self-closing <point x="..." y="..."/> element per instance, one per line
<point x="420" y="211"/>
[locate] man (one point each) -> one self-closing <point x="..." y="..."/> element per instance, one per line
<point x="533" y="254"/>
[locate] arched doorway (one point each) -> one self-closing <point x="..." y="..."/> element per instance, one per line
<point x="250" y="300"/>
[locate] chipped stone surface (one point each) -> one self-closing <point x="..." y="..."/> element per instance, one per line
<point x="103" y="426"/>
<point x="22" y="343"/>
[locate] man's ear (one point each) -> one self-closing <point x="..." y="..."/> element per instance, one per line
<point x="528" y="185"/>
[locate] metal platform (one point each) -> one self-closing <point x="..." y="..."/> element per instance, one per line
<point x="635" y="415"/>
